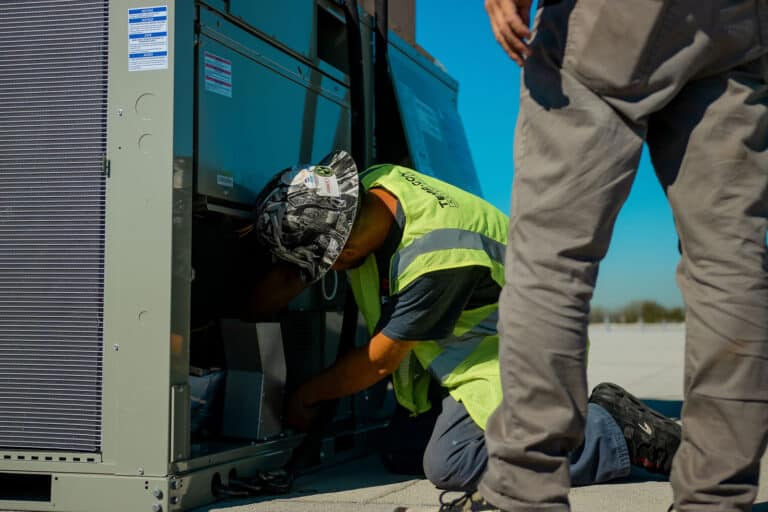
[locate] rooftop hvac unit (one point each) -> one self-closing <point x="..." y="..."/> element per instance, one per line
<point x="134" y="136"/>
<point x="105" y="108"/>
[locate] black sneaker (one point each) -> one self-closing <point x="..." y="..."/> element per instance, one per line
<point x="652" y="438"/>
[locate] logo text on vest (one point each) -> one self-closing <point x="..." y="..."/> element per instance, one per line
<point x="442" y="199"/>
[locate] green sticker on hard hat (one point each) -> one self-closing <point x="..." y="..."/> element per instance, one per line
<point x="323" y="171"/>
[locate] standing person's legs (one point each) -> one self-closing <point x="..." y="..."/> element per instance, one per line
<point x="710" y="148"/>
<point x="456" y="455"/>
<point x="575" y="160"/>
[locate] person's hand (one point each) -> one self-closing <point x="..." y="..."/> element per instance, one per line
<point x="509" y="21"/>
<point x="298" y="414"/>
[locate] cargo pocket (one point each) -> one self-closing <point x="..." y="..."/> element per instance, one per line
<point x="613" y="45"/>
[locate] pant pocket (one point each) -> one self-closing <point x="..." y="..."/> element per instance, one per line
<point x="613" y="45"/>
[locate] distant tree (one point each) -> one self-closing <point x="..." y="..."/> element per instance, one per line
<point x="646" y="311"/>
<point x="598" y="315"/>
<point x="630" y="313"/>
<point x="652" y="313"/>
<point x="676" y="315"/>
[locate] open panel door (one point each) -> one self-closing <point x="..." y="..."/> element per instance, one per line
<point x="428" y="102"/>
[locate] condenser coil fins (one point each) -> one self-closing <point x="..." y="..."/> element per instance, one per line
<point x="53" y="100"/>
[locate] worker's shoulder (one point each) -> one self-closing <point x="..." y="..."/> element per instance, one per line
<point x="381" y="168"/>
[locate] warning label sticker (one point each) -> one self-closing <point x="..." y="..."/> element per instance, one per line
<point x="218" y="75"/>
<point x="148" y="38"/>
<point x="225" y="180"/>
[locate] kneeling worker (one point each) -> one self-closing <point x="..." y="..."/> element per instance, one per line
<point x="425" y="262"/>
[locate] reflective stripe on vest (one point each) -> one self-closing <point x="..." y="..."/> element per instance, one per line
<point x="445" y="239"/>
<point x="455" y="349"/>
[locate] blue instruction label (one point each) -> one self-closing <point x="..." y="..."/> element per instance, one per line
<point x="148" y="38"/>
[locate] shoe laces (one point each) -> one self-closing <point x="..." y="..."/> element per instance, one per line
<point x="459" y="503"/>
<point x="448" y="506"/>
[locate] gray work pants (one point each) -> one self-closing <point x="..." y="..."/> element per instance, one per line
<point x="688" y="77"/>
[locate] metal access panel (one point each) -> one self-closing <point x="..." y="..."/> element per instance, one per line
<point x="260" y="109"/>
<point x="428" y="101"/>
<point x="291" y="22"/>
<point x="53" y="135"/>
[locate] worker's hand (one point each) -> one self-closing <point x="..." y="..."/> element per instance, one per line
<point x="298" y="414"/>
<point x="509" y="21"/>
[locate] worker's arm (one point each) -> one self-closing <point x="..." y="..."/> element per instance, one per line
<point x="353" y="372"/>
<point x="427" y="309"/>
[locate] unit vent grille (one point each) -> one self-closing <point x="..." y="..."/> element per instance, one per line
<point x="51" y="457"/>
<point x="53" y="99"/>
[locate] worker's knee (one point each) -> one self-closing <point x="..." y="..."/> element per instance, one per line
<point x="439" y="470"/>
<point x="455" y="457"/>
<point x="450" y="473"/>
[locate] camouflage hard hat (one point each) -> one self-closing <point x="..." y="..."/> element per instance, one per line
<point x="305" y="213"/>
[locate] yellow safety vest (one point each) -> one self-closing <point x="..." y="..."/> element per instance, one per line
<point x="445" y="228"/>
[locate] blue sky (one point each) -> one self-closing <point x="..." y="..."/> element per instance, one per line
<point x="643" y="255"/>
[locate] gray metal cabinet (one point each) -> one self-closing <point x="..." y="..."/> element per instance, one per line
<point x="260" y="110"/>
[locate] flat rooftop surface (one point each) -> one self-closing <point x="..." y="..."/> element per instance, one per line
<point x="647" y="360"/>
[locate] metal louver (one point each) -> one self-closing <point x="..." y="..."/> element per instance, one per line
<point x="53" y="100"/>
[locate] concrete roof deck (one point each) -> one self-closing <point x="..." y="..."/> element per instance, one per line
<point x="647" y="360"/>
